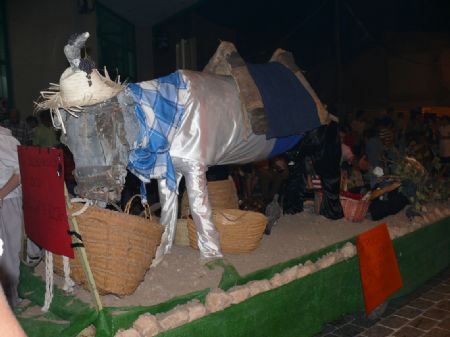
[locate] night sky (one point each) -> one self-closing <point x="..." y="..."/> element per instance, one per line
<point x="308" y="27"/>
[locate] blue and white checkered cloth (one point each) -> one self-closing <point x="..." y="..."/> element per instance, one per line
<point x="159" y="108"/>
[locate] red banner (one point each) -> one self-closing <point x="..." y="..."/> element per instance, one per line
<point x="44" y="208"/>
<point x="378" y="265"/>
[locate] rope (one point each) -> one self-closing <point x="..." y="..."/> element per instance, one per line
<point x="83" y="209"/>
<point x="68" y="282"/>
<point x="231" y="217"/>
<point x="48" y="281"/>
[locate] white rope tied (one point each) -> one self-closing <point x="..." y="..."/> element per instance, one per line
<point x="87" y="203"/>
<point x="68" y="282"/>
<point x="48" y="281"/>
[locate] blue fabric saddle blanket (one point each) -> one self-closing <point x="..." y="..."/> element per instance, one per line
<point x="289" y="107"/>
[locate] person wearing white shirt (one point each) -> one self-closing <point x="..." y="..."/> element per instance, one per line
<point x="11" y="215"/>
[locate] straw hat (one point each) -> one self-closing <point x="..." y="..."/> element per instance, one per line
<point x="80" y="85"/>
<point x="77" y="89"/>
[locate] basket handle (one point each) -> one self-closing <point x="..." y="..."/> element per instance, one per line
<point x="228" y="218"/>
<point x="148" y="213"/>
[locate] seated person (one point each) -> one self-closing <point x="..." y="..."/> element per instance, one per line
<point x="44" y="134"/>
<point x="271" y="173"/>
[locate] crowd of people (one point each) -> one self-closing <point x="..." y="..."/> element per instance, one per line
<point x="32" y="130"/>
<point x="377" y="141"/>
<point x="370" y="143"/>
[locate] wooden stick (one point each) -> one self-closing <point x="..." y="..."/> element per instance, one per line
<point x="81" y="254"/>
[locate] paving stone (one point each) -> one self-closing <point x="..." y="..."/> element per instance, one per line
<point x="423" y="289"/>
<point x="426" y="288"/>
<point x="444" y="289"/>
<point x="436" y="332"/>
<point x="365" y="322"/>
<point x="445" y="324"/>
<point x="408" y="312"/>
<point x="394" y="321"/>
<point x="389" y="311"/>
<point x="421" y="303"/>
<point x="432" y="296"/>
<point x="328" y="328"/>
<point x="402" y="301"/>
<point x="378" y="331"/>
<point x="408" y="331"/>
<point x="442" y="276"/>
<point x="444" y="305"/>
<point x="423" y="323"/>
<point x="349" y="330"/>
<point x="436" y="313"/>
<point x="436" y="280"/>
<point x="425" y="312"/>
<point x="344" y="320"/>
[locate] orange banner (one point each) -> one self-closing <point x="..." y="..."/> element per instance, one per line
<point x="380" y="275"/>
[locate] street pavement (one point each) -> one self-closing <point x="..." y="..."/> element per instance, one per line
<point x="423" y="313"/>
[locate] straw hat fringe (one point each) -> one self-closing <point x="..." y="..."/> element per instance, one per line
<point x="75" y="90"/>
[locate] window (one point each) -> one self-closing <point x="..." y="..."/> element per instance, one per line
<point x="5" y="78"/>
<point x="116" y="44"/>
<point x="186" y="54"/>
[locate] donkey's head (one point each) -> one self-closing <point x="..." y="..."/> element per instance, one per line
<point x="95" y="123"/>
<point x="100" y="139"/>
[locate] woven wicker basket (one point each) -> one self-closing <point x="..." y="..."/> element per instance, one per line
<point x="354" y="210"/>
<point x="240" y="231"/>
<point x="120" y="248"/>
<point x="221" y="193"/>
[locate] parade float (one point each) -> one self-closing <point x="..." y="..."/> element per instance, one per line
<point x="178" y="126"/>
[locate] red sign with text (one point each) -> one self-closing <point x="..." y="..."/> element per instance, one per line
<point x="44" y="207"/>
<point x="380" y="275"/>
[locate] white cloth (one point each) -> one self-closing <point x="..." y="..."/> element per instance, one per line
<point x="196" y="186"/>
<point x="9" y="161"/>
<point x="11" y="234"/>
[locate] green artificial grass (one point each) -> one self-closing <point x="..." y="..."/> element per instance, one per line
<point x="299" y="308"/>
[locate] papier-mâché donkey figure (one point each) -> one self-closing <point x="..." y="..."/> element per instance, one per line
<point x="170" y="127"/>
